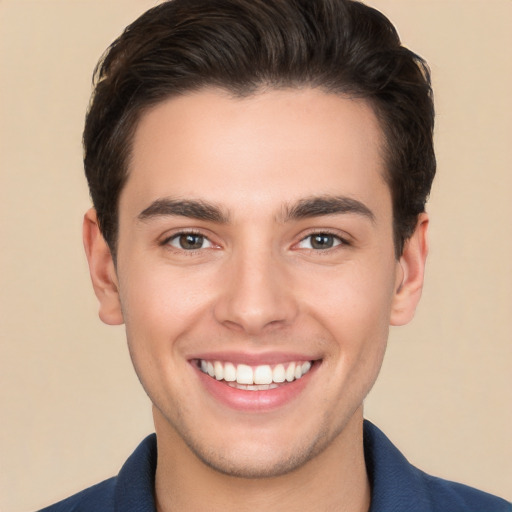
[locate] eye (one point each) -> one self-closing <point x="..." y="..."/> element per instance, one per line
<point x="189" y="242"/>
<point x="320" y="241"/>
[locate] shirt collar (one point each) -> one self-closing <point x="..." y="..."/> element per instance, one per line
<point x="396" y="484"/>
<point x="136" y="481"/>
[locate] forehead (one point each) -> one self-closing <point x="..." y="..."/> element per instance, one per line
<point x="274" y="146"/>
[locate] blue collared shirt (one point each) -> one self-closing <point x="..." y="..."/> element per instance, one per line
<point x="396" y="485"/>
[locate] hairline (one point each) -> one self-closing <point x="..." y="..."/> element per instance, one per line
<point x="138" y="111"/>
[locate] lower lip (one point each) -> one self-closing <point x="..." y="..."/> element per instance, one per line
<point x="255" y="401"/>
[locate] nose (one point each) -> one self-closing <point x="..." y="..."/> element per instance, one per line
<point x="256" y="293"/>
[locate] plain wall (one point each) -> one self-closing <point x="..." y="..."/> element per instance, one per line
<point x="71" y="407"/>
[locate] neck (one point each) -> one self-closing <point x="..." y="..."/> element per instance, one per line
<point x="334" y="480"/>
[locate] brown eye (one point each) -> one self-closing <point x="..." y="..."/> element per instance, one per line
<point x="189" y="241"/>
<point x="320" y="241"/>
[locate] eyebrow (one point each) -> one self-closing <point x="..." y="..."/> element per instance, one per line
<point x="317" y="206"/>
<point x="314" y="206"/>
<point x="194" y="209"/>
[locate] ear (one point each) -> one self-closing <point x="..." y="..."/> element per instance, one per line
<point x="409" y="283"/>
<point x="102" y="270"/>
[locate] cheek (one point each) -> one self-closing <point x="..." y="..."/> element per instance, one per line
<point x="161" y="307"/>
<point x="161" y="296"/>
<point x="354" y="307"/>
<point x="353" y="301"/>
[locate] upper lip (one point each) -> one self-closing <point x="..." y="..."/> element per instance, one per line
<point x="254" y="359"/>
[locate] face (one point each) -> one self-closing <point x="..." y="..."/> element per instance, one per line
<point x="256" y="272"/>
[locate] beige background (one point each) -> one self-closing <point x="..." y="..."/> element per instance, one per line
<point x="71" y="406"/>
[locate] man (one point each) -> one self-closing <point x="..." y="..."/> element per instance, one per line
<point x="259" y="172"/>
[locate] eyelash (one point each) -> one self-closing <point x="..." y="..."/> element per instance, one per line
<point x="176" y="236"/>
<point x="338" y="241"/>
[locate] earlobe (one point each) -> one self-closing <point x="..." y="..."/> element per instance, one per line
<point x="102" y="270"/>
<point x="410" y="274"/>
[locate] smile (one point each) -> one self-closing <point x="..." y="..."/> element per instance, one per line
<point x="254" y="378"/>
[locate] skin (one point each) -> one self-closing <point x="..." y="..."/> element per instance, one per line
<point x="256" y="285"/>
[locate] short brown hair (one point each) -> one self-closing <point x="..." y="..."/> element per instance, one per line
<point x="340" y="46"/>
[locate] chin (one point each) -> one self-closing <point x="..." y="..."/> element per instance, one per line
<point x="262" y="456"/>
<point x="260" y="465"/>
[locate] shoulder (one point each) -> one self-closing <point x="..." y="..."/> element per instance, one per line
<point x="97" y="497"/>
<point x="399" y="486"/>
<point x="447" y="495"/>
<point x="130" y="491"/>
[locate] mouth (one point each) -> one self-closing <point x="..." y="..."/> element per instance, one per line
<point x="254" y="378"/>
<point x="255" y="383"/>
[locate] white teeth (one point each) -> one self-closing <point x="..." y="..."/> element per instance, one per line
<point x="290" y="372"/>
<point x="244" y="374"/>
<point x="263" y="374"/>
<point x="219" y="370"/>
<point x="279" y="374"/>
<point x="260" y="377"/>
<point x="229" y="372"/>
